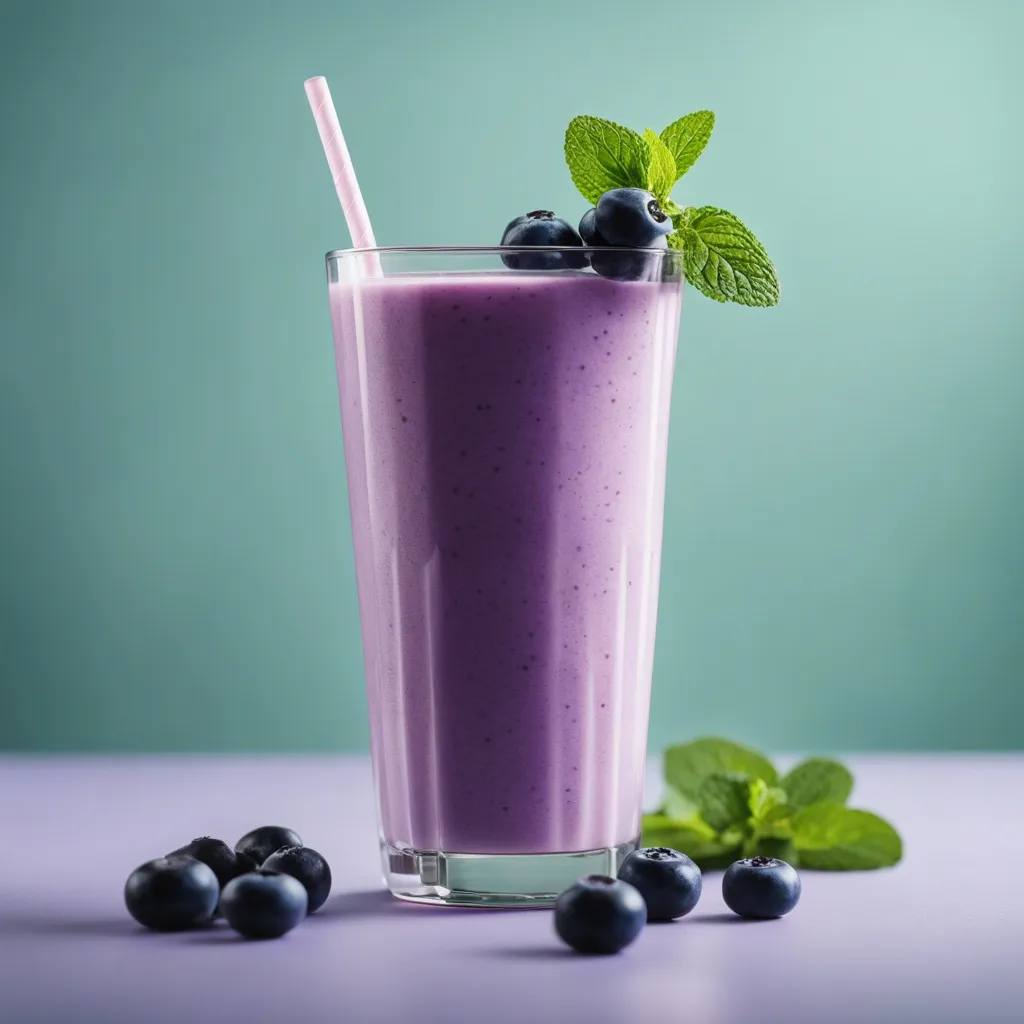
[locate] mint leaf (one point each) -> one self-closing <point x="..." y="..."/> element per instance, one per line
<point x="832" y="837"/>
<point x="696" y="825"/>
<point x="678" y="240"/>
<point x="702" y="846"/>
<point x="661" y="167"/>
<point x="728" y="263"/>
<point x="672" y="209"/>
<point x="769" y="817"/>
<point x="776" y="821"/>
<point x="818" y="780"/>
<point x="681" y="222"/>
<point x="677" y="806"/>
<point x="687" y="137"/>
<point x="779" y="811"/>
<point x="765" y="800"/>
<point x="603" y="155"/>
<point x="688" y="764"/>
<point x="724" y="799"/>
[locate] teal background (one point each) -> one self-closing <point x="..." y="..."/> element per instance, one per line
<point x="844" y="559"/>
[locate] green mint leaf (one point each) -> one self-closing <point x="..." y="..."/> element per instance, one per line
<point x="687" y="137"/>
<point x="775" y="821"/>
<point x="831" y="837"/>
<point x="672" y="209"/>
<point x="603" y="155"/>
<point x="677" y="240"/>
<point x="734" y="835"/>
<point x="727" y="263"/>
<point x="765" y="801"/>
<point x="677" y="806"/>
<point x="724" y="799"/>
<point x="661" y="167"/>
<point x="708" y="851"/>
<point x="681" y="222"/>
<point x="758" y="796"/>
<point x="818" y="780"/>
<point x="769" y="816"/>
<point x="688" y="764"/>
<point x="694" y="826"/>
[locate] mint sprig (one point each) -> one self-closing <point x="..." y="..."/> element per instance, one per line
<point x="722" y="258"/>
<point x="724" y="801"/>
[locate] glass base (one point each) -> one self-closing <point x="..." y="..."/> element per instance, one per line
<point x="493" y="880"/>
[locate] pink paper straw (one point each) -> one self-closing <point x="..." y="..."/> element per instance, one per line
<point x="342" y="171"/>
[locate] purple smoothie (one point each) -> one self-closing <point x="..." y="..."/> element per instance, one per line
<point x="505" y="443"/>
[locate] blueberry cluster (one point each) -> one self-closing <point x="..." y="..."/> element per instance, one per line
<point x="624" y="219"/>
<point x="263" y="887"/>
<point x="602" y="915"/>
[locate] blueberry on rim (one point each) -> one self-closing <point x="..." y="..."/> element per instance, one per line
<point x="542" y="227"/>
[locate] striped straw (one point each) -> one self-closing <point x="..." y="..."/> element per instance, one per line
<point x="343" y="172"/>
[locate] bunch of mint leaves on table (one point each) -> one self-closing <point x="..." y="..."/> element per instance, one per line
<point x="721" y="257"/>
<point x="723" y="801"/>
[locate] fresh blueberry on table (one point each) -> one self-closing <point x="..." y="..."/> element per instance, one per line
<point x="668" y="880"/>
<point x="264" y="904"/>
<point x="542" y="227"/>
<point x="306" y="865"/>
<point x="622" y="265"/>
<point x="761" y="887"/>
<point x="261" y="842"/>
<point x="599" y="915"/>
<point x="172" y="893"/>
<point x="218" y="857"/>
<point x="631" y="216"/>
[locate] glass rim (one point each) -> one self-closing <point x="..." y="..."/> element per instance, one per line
<point x="385" y="250"/>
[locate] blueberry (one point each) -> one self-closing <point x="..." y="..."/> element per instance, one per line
<point x="261" y="842"/>
<point x="624" y="266"/>
<point x="246" y="863"/>
<point x="264" y="904"/>
<point x="668" y="880"/>
<point x="588" y="229"/>
<point x="631" y="216"/>
<point x="542" y="227"/>
<point x="218" y="856"/>
<point x="308" y="866"/>
<point x="761" y="887"/>
<point x="172" y="893"/>
<point x="599" y="915"/>
<point x="639" y="265"/>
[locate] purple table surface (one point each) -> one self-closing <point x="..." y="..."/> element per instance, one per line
<point x="939" y="938"/>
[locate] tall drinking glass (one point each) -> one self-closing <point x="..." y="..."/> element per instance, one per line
<point x="505" y="440"/>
